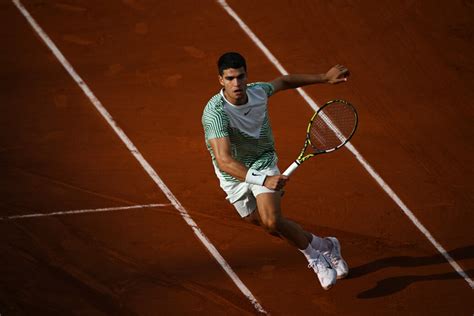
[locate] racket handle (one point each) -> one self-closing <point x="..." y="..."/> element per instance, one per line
<point x="291" y="168"/>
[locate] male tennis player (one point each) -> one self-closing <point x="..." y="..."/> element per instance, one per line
<point x="240" y="140"/>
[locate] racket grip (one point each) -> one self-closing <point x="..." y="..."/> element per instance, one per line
<point x="291" y="168"/>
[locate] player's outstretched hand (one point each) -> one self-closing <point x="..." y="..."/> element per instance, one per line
<point x="337" y="74"/>
<point x="276" y="182"/>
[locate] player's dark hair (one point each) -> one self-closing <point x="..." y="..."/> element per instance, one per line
<point x="231" y="60"/>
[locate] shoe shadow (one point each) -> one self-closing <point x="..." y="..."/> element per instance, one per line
<point x="406" y="261"/>
<point x="395" y="284"/>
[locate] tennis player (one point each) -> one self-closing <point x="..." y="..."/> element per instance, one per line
<point x="239" y="138"/>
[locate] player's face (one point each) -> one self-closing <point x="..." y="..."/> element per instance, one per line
<point x="234" y="82"/>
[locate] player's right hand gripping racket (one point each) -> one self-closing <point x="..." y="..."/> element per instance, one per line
<point x="330" y="128"/>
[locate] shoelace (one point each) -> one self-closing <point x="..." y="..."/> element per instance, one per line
<point x="317" y="264"/>
<point x="334" y="259"/>
<point x="313" y="265"/>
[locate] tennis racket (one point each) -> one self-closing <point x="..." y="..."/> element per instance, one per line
<point x="330" y="128"/>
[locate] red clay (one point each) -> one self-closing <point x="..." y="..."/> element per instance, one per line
<point x="152" y="65"/>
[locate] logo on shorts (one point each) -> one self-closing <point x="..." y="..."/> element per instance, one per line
<point x="255" y="175"/>
<point x="247" y="112"/>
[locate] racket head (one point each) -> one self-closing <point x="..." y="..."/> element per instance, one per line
<point x="332" y="126"/>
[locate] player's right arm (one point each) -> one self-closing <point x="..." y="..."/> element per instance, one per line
<point x="225" y="161"/>
<point x="222" y="152"/>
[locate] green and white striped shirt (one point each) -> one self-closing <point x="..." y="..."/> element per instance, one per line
<point x="247" y="127"/>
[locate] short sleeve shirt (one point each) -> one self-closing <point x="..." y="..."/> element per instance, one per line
<point x="247" y="126"/>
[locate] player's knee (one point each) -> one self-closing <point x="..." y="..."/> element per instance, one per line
<point x="271" y="225"/>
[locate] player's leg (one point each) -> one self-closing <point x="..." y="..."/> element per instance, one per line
<point x="318" y="243"/>
<point x="242" y="196"/>
<point x="268" y="206"/>
<point x="254" y="218"/>
<point x="329" y="246"/>
<point x="269" y="216"/>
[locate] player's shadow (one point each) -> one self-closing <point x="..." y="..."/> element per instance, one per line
<point x="394" y="284"/>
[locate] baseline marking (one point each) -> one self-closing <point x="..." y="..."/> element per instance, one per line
<point x="136" y="153"/>
<point x="97" y="210"/>
<point x="352" y="149"/>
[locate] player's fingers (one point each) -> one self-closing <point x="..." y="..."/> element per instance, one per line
<point x="273" y="186"/>
<point x="342" y="69"/>
<point x="282" y="183"/>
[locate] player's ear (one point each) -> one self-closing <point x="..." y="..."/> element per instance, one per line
<point x="221" y="80"/>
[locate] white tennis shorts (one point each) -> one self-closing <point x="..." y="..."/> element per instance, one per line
<point x="242" y="194"/>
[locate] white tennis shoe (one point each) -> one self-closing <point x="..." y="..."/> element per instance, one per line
<point x="334" y="256"/>
<point x="324" y="270"/>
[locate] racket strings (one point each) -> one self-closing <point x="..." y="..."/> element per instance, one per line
<point x="333" y="126"/>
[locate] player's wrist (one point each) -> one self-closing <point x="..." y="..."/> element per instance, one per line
<point x="324" y="78"/>
<point x="255" y="177"/>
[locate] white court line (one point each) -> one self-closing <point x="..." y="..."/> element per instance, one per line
<point x="134" y="151"/>
<point x="97" y="210"/>
<point x="354" y="151"/>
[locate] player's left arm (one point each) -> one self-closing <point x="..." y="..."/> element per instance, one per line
<point x="336" y="74"/>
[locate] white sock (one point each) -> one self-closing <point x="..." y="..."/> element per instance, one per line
<point x="309" y="252"/>
<point x="321" y="244"/>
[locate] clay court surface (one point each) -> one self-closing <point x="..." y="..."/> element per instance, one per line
<point x="152" y="66"/>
